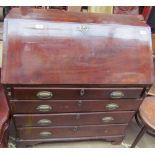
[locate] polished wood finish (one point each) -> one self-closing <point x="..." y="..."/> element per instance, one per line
<point x="63" y="16"/>
<point x="60" y="106"/>
<point x="95" y="118"/>
<point x="147" y="111"/>
<point x="56" y="47"/>
<point x="146" y="114"/>
<point x="71" y="131"/>
<point x="115" y="140"/>
<point x="73" y="76"/>
<point x="75" y="93"/>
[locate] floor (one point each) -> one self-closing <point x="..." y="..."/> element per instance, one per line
<point x="146" y="142"/>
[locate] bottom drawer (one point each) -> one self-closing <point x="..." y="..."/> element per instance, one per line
<point x="70" y="131"/>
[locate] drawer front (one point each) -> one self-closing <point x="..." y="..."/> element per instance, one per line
<point x="65" y="119"/>
<point x="70" y="131"/>
<point x="75" y="93"/>
<point x="56" y="106"/>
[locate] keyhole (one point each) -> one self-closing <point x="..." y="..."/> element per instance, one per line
<point x="82" y="92"/>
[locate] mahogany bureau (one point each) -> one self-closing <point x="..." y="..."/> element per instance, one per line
<point x="74" y="76"/>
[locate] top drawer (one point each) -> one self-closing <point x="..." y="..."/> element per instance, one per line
<point x="30" y="93"/>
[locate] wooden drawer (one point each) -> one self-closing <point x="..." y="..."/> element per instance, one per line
<point x="28" y="93"/>
<point x="64" y="119"/>
<point x="57" y="106"/>
<point x="71" y="131"/>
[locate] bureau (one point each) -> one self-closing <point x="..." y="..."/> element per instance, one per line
<point x="74" y="76"/>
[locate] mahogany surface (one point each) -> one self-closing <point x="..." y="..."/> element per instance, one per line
<point x="115" y="140"/>
<point x="53" y="47"/>
<point x="67" y="106"/>
<point x="74" y="93"/>
<point x="95" y="69"/>
<point x="64" y="119"/>
<point x="72" y="131"/>
<point x="147" y="111"/>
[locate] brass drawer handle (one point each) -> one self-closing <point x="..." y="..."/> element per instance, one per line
<point x="112" y="106"/>
<point x="45" y="134"/>
<point x="44" y="95"/>
<point x="117" y="94"/>
<point x="44" y="108"/>
<point x="44" y="122"/>
<point x="107" y="119"/>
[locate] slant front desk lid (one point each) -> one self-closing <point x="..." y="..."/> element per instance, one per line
<point x="58" y="47"/>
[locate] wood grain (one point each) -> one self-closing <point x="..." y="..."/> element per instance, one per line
<point x="80" y="60"/>
<point x="50" y="47"/>
<point x="147" y="111"/>
<point x="65" y="119"/>
<point x="65" y="93"/>
<point x="67" y="106"/>
<point x="70" y="132"/>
